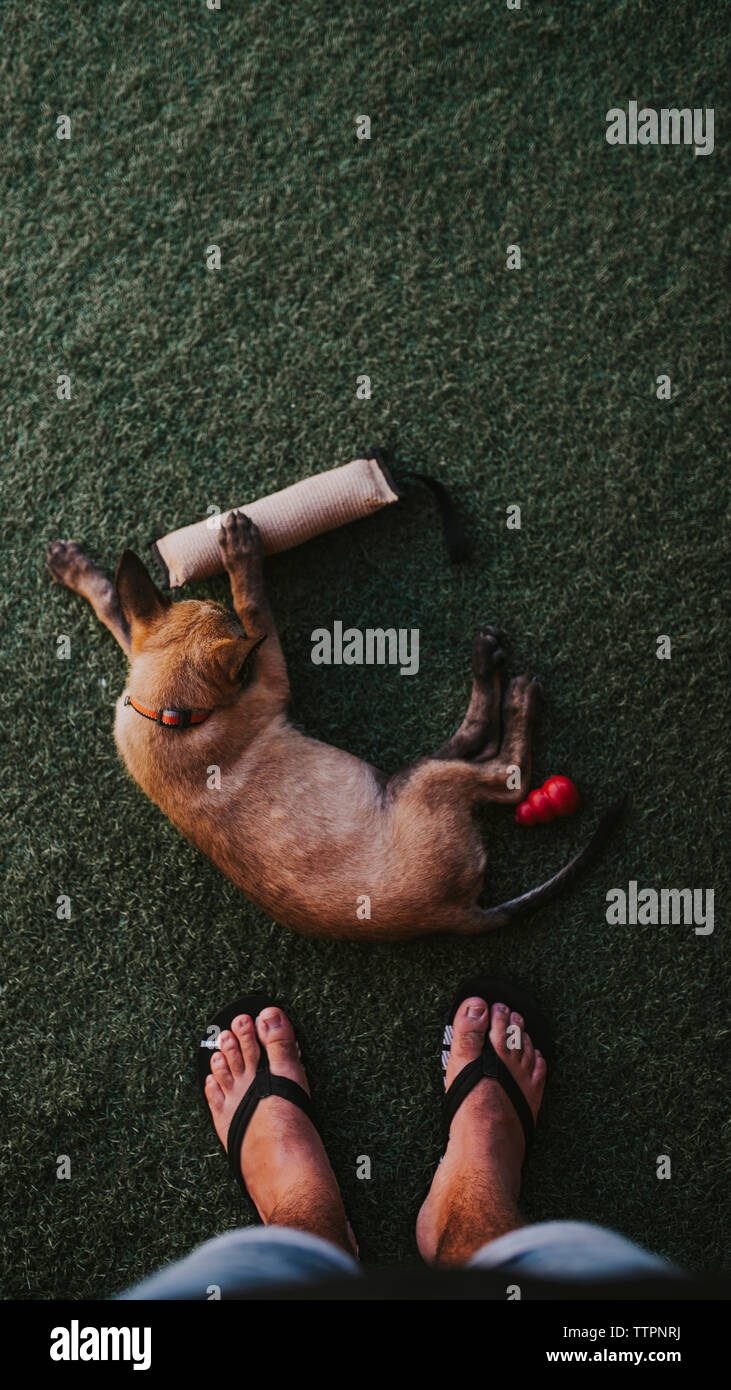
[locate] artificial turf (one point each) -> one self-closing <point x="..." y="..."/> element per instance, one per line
<point x="194" y="388"/>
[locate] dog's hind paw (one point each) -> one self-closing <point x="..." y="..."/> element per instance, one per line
<point x="523" y="693"/>
<point x="488" y="655"/>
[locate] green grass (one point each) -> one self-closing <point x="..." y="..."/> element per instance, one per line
<point x="192" y="388"/>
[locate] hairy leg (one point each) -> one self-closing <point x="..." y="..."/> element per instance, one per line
<point x="283" y="1161"/>
<point x="71" y="567"/>
<point x="474" y="1195"/>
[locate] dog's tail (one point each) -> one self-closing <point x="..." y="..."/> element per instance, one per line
<point x="485" y="918"/>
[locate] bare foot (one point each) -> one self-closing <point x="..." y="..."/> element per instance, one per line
<point x="475" y="1189"/>
<point x="283" y="1161"/>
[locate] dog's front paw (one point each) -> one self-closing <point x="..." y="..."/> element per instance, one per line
<point x="239" y="538"/>
<point x="69" y="565"/>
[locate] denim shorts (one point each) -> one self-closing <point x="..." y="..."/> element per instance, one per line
<point x="263" y="1258"/>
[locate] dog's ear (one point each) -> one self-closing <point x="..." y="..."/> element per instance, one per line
<point x="139" y="598"/>
<point x="232" y="653"/>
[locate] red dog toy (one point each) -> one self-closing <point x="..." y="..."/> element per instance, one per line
<point x="557" y="797"/>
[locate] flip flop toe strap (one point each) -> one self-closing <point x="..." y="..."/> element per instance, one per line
<point x="265" y="1083"/>
<point x="488" y="1064"/>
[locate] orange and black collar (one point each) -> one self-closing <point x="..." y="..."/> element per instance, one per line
<point x="170" y="718"/>
<point x="175" y="718"/>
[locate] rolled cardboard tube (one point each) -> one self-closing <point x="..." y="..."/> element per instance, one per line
<point x="287" y="518"/>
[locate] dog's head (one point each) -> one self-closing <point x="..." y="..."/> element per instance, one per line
<point x="199" y="646"/>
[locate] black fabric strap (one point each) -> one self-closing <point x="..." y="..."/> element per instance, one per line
<point x="488" y="1064"/>
<point x="454" y="535"/>
<point x="265" y="1083"/>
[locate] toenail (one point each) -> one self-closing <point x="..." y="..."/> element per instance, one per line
<point x="475" y="1011"/>
<point x="502" y="1008"/>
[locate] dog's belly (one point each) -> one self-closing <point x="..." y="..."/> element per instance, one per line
<point x="307" y="854"/>
<point x="302" y="832"/>
<point x="347" y="877"/>
<point x="306" y="832"/>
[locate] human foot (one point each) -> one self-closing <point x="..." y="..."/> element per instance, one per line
<point x="283" y="1161"/>
<point x="475" y="1188"/>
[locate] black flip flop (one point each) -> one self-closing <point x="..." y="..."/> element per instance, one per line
<point x="265" y="1083"/>
<point x="494" y="990"/>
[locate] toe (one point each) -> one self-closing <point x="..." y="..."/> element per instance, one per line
<point x="515" y="1034"/>
<point x="471" y="1023"/>
<point x="499" y="1021"/>
<point x="243" y="1027"/>
<point x="540" y="1070"/>
<point x="231" y="1050"/>
<point x="277" y="1035"/>
<point x="220" y="1069"/>
<point x="528" y="1057"/>
<point x="214" y="1095"/>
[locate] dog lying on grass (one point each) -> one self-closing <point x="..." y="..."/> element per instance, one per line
<point x="323" y="842"/>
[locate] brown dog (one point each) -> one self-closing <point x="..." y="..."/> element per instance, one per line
<point x="321" y="841"/>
